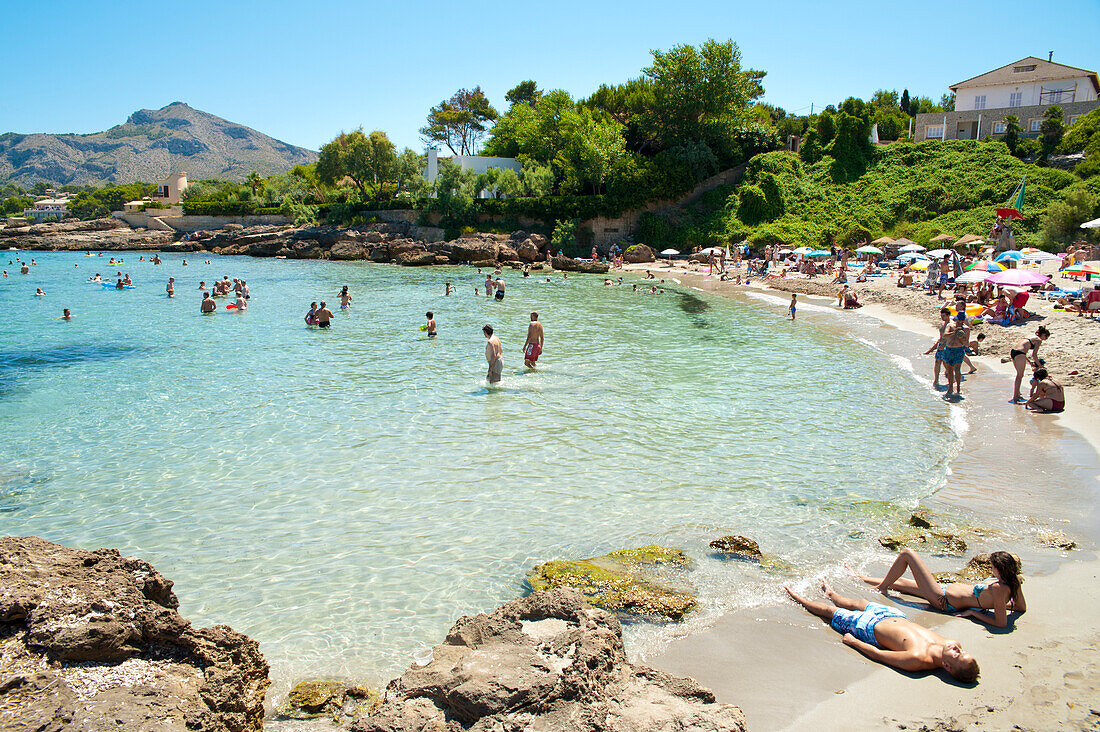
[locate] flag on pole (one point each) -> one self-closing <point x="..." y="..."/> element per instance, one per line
<point x="1016" y="202"/>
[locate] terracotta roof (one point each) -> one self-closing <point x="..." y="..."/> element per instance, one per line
<point x="1044" y="71"/>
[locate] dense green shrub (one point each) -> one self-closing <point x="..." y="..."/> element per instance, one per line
<point x="219" y="208"/>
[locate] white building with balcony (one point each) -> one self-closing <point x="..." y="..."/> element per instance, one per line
<point x="1025" y="88"/>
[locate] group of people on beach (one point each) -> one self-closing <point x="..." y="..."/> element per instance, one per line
<point x="886" y="635"/>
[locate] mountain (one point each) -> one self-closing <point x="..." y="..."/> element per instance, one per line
<point x="151" y="144"/>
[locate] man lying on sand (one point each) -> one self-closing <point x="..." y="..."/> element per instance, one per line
<point x="885" y="635"/>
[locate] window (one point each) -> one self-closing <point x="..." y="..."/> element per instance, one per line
<point x="935" y="132"/>
<point x="1073" y="119"/>
<point x="1035" y="124"/>
<point x="999" y="128"/>
<point x="1022" y="69"/>
<point x="979" y="101"/>
<point x="1056" y="96"/>
<point x="1016" y="99"/>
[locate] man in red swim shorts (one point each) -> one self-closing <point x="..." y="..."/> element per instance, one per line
<point x="532" y="348"/>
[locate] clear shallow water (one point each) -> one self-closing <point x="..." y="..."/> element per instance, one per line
<point x="343" y="496"/>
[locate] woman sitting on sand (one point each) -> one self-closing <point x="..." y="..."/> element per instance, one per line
<point x="1020" y="359"/>
<point x="1000" y="594"/>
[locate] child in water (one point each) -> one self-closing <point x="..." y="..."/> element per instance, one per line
<point x="794" y="304"/>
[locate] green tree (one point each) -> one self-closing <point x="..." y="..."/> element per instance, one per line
<point x="826" y="127"/>
<point x="851" y="147"/>
<point x="884" y="99"/>
<point x="811" y="150"/>
<point x="1012" y="132"/>
<point x="947" y="103"/>
<point x="525" y="92"/>
<point x="1062" y="221"/>
<point x="692" y="85"/>
<point x="538" y="180"/>
<point x="904" y="102"/>
<point x="564" y="236"/>
<point x="508" y="184"/>
<point x="408" y="174"/>
<point x="255" y="182"/>
<point x="365" y="160"/>
<point x="460" y="122"/>
<point x="1051" y="130"/>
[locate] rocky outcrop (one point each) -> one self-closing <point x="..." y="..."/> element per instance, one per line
<point x="646" y="581"/>
<point x="544" y="662"/>
<point x="107" y="234"/>
<point x="568" y="264"/>
<point x="325" y="697"/>
<point x="639" y="254"/>
<point x="93" y="641"/>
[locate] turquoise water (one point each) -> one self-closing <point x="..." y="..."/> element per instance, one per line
<point x="343" y="496"/>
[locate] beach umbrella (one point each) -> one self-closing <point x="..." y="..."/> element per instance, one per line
<point x="986" y="265"/>
<point x="911" y="247"/>
<point x="974" y="275"/>
<point x="921" y="264"/>
<point x="868" y="250"/>
<point x="1018" y="277"/>
<point x="943" y="237"/>
<point x="1029" y="250"/>
<point x="969" y="239"/>
<point x="786" y="251"/>
<point x="1005" y="256"/>
<point x="712" y="250"/>
<point x="670" y="252"/>
<point x="1094" y="224"/>
<point x="1081" y="269"/>
<point x="883" y="240"/>
<point x="909" y="256"/>
<point x="1038" y="256"/>
<point x="819" y="253"/>
<point x="938" y="253"/>
<point x="803" y="250"/>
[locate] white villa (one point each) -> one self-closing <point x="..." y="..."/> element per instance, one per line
<point x="1026" y="89"/>
<point x="477" y="163"/>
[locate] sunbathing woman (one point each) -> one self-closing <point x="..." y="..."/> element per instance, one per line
<point x="1000" y="593"/>
<point x="1020" y="359"/>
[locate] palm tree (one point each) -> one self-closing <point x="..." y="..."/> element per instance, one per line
<point x="255" y="182"/>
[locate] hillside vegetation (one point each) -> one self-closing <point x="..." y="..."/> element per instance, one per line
<point x="904" y="189"/>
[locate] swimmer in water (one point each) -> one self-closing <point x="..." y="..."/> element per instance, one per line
<point x="345" y="298"/>
<point x="324" y="316"/>
<point x="208" y="305"/>
<point x="39" y="292"/>
<point x="171" y="289"/>
<point x="66" y="315"/>
<point x="240" y="303"/>
<point x="449" y="289"/>
<point x="202" y="285"/>
<point x="431" y="324"/>
<point x="311" y="317"/>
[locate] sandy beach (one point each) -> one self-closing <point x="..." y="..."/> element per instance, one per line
<point x="1040" y="674"/>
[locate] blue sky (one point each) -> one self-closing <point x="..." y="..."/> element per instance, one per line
<point x="304" y="72"/>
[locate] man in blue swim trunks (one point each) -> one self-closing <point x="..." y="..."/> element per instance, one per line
<point x="885" y="635"/>
<point x="956" y="337"/>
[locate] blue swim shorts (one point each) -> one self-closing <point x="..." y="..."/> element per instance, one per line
<point x="862" y="623"/>
<point x="953" y="356"/>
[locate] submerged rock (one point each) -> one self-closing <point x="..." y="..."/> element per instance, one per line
<point x="937" y="542"/>
<point x="92" y="640"/>
<point x="1057" y="540"/>
<point x="643" y="581"/>
<point x="741" y="546"/>
<point x="544" y="662"/>
<point x="342" y="702"/>
<point x="921" y="518"/>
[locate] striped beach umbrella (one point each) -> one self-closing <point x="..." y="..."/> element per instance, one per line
<point x="987" y="265"/>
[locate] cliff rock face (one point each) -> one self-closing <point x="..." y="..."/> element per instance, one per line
<point x="92" y="641"/>
<point x="151" y="144"/>
<point x="544" y="662"/>
<point x="100" y="234"/>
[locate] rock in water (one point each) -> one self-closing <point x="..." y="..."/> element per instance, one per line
<point x="645" y="581"/>
<point x="740" y="545"/>
<point x="978" y="568"/>
<point x="92" y="641"/>
<point x="544" y="662"/>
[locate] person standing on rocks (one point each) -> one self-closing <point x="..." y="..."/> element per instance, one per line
<point x="494" y="355"/>
<point x="532" y="348"/>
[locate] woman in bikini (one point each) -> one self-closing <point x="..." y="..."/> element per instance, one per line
<point x="999" y="594"/>
<point x="1020" y="359"/>
<point x="1049" y="394"/>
